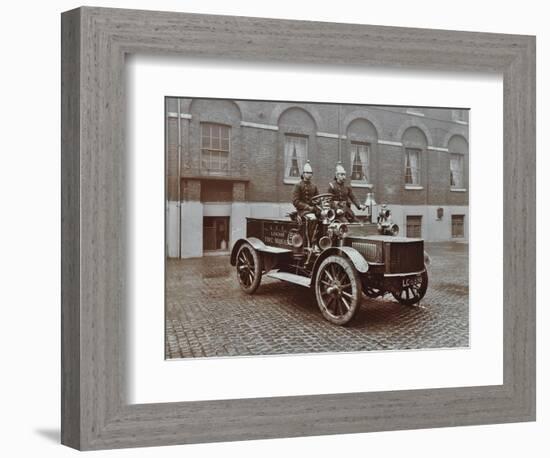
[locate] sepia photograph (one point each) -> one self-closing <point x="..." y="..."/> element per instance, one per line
<point x="299" y="227"/>
<point x="289" y="224"/>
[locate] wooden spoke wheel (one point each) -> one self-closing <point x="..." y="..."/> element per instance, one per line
<point x="338" y="289"/>
<point x="412" y="289"/>
<point x="249" y="269"/>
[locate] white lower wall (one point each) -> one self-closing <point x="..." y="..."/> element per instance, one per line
<point x="215" y="209"/>
<point x="239" y="212"/>
<point x="191" y="229"/>
<point x="433" y="230"/>
<point x="440" y="230"/>
<point x="172" y="228"/>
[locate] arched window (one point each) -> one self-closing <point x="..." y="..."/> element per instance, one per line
<point x="458" y="148"/>
<point x="297" y="129"/>
<point x="362" y="135"/>
<point x="414" y="144"/>
<point x="360" y="155"/>
<point x="413" y="166"/>
<point x="295" y="155"/>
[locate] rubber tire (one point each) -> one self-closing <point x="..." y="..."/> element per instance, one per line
<point x="356" y="293"/>
<point x="422" y="292"/>
<point x="248" y="250"/>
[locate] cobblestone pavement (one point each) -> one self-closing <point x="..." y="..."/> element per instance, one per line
<point x="208" y="315"/>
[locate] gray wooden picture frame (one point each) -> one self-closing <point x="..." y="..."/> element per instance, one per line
<point x="95" y="411"/>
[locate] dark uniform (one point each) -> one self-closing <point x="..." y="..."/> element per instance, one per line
<point x="344" y="193"/>
<point x="301" y="197"/>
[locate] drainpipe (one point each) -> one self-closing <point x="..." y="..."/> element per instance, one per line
<point x="179" y="179"/>
<point x="339" y="136"/>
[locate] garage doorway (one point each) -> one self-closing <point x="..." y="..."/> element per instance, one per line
<point x="215" y="234"/>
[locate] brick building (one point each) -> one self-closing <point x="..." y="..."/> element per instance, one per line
<point x="229" y="159"/>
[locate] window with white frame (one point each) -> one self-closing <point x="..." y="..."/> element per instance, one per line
<point x="215" y="148"/>
<point x="457" y="170"/>
<point x="360" y="156"/>
<point x="412" y="166"/>
<point x="295" y="156"/>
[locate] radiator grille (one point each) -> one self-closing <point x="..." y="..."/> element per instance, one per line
<point x="371" y="251"/>
<point x="405" y="257"/>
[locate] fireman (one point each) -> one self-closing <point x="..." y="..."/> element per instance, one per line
<point x="343" y="194"/>
<point x="301" y="198"/>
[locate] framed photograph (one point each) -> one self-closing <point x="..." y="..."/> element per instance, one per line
<point x="254" y="201"/>
<point x="261" y="192"/>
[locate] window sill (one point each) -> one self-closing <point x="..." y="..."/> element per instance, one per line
<point x="213" y="172"/>
<point x="458" y="189"/>
<point x="411" y="187"/>
<point x="291" y="180"/>
<point x="360" y="184"/>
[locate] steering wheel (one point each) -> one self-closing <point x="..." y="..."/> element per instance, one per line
<point x="320" y="199"/>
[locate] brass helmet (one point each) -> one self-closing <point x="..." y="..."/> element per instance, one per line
<point x="340" y="168"/>
<point x="307" y="168"/>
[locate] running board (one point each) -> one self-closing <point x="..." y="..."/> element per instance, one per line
<point x="292" y="278"/>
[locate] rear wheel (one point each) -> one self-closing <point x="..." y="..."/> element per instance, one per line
<point x="249" y="269"/>
<point x="338" y="290"/>
<point x="412" y="289"/>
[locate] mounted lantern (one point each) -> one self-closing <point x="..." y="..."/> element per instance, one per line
<point x="370" y="203"/>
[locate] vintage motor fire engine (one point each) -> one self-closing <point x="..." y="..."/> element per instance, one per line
<point x="340" y="260"/>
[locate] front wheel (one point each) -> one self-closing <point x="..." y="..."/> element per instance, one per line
<point x="249" y="269"/>
<point x="412" y="289"/>
<point x="338" y="290"/>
